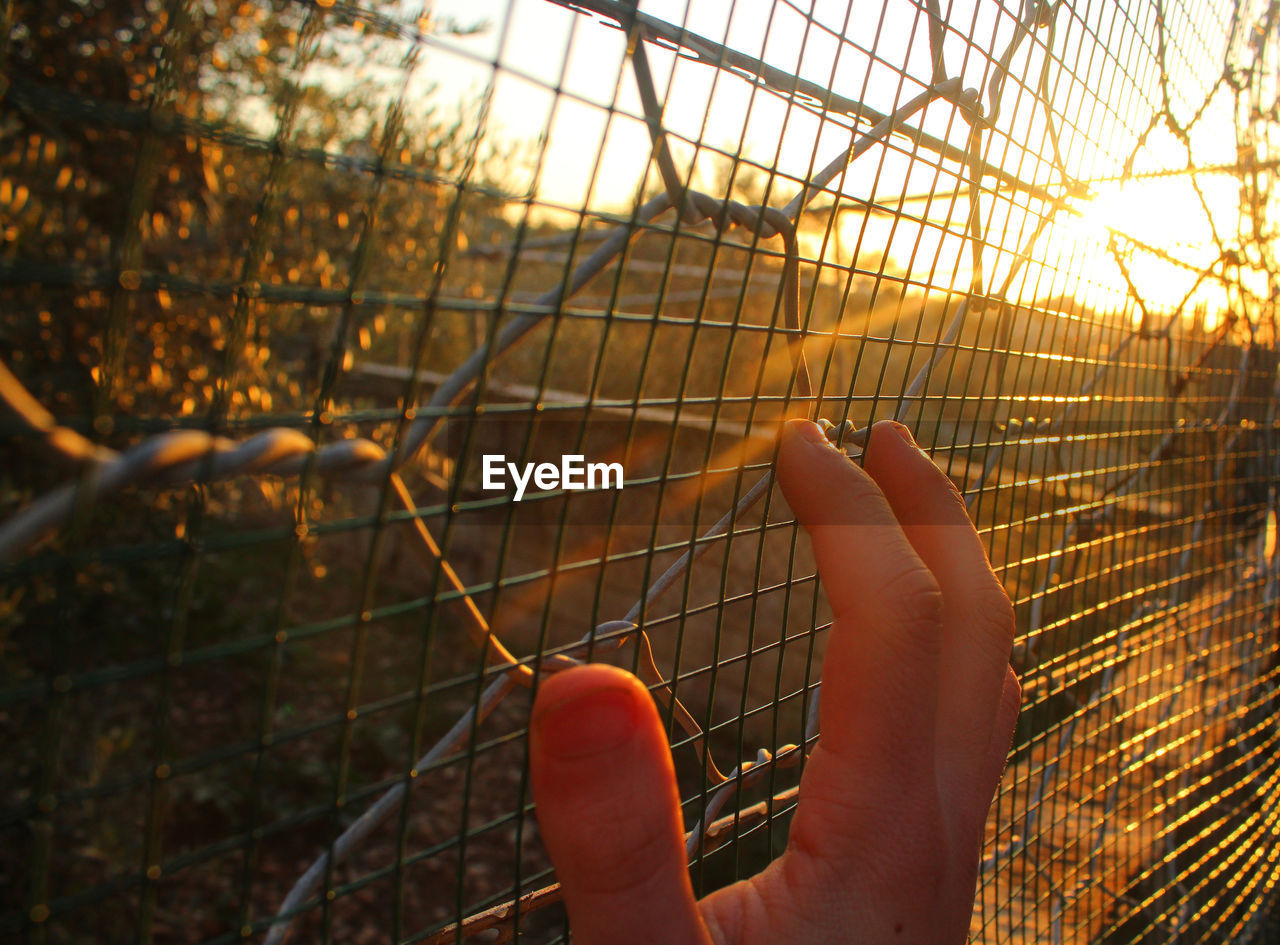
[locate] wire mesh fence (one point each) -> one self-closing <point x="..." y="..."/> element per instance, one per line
<point x="277" y="276"/>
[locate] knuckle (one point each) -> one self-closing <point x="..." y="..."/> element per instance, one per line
<point x="1012" y="697"/>
<point x="915" y="599"/>
<point x="992" y="618"/>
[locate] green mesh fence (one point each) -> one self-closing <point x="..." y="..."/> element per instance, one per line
<point x="277" y="276"/>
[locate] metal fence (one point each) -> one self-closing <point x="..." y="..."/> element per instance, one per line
<point x="277" y="275"/>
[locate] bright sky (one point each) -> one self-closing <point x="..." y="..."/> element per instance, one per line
<point x="597" y="158"/>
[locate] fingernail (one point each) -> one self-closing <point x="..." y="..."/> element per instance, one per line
<point x="594" y="722"/>
<point x="807" y="430"/>
<point x="903" y="432"/>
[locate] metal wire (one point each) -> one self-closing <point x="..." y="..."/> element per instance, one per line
<point x="267" y="648"/>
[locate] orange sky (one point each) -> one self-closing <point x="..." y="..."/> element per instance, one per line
<point x="596" y="161"/>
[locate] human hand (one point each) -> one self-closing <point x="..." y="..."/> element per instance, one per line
<point x="918" y="708"/>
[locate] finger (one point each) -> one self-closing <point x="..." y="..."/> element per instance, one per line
<point x="1001" y="739"/>
<point x="609" y="810"/>
<point x="881" y="664"/>
<point x="977" y="615"/>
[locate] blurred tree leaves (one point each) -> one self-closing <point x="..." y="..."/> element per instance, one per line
<point x="192" y="194"/>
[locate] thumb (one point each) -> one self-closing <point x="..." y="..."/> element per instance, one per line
<point x="609" y="810"/>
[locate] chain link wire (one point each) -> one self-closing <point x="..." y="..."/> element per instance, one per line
<point x="237" y="681"/>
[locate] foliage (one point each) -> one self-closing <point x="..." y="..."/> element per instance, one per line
<point x="191" y="234"/>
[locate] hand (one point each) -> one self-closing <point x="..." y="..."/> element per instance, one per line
<point x="917" y="712"/>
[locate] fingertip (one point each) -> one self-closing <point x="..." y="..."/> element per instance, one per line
<point x="586" y="711"/>
<point x="883" y="427"/>
<point x="801" y="431"/>
<point x="580" y="681"/>
<point x="891" y="443"/>
<point x="917" y="488"/>
<point x="817" y="477"/>
<point x="608" y="807"/>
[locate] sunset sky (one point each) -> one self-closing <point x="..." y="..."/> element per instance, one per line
<point x="598" y="162"/>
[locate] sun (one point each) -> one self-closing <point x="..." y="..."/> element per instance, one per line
<point x="1157" y="239"/>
